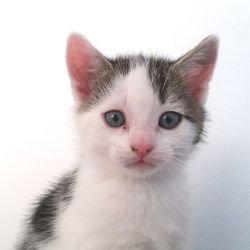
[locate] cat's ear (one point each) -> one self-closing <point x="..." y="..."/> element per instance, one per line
<point x="196" y="67"/>
<point x="83" y="63"/>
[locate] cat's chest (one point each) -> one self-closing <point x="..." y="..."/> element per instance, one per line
<point x="119" y="217"/>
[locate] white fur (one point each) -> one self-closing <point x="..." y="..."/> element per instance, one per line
<point x="118" y="208"/>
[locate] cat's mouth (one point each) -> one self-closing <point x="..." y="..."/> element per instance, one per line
<point x="141" y="164"/>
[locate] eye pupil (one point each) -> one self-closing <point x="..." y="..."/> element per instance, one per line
<point x="169" y="120"/>
<point x="115" y="118"/>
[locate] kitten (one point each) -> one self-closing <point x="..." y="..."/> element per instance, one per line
<point x="139" y="118"/>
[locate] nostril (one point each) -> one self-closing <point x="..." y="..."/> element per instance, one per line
<point x="134" y="149"/>
<point x="149" y="150"/>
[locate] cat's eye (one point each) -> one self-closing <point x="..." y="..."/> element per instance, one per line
<point x="114" y="118"/>
<point x="169" y="120"/>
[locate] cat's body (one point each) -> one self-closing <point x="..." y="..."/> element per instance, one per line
<point x="117" y="214"/>
<point x="138" y="121"/>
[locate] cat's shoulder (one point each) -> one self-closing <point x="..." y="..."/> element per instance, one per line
<point x="41" y="223"/>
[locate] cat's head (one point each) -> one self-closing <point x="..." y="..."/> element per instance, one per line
<point x="139" y="115"/>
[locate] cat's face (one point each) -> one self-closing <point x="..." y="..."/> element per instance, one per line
<point x="136" y="115"/>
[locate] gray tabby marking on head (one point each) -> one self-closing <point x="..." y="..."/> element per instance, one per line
<point x="102" y="81"/>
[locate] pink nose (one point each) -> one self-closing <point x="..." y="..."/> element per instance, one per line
<point x="142" y="149"/>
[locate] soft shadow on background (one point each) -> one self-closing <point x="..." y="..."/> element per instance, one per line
<point x="36" y="128"/>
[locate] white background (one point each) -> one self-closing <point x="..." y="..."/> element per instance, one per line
<point x="36" y="131"/>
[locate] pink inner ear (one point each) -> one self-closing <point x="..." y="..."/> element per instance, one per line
<point x="80" y="55"/>
<point x="199" y="78"/>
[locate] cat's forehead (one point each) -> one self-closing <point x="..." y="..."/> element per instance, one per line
<point x="137" y="87"/>
<point x="157" y="70"/>
<point x="136" y="93"/>
<point x="144" y="82"/>
<point x="145" y="76"/>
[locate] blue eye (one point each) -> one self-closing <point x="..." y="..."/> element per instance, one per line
<point x="169" y="120"/>
<point x="114" y="118"/>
